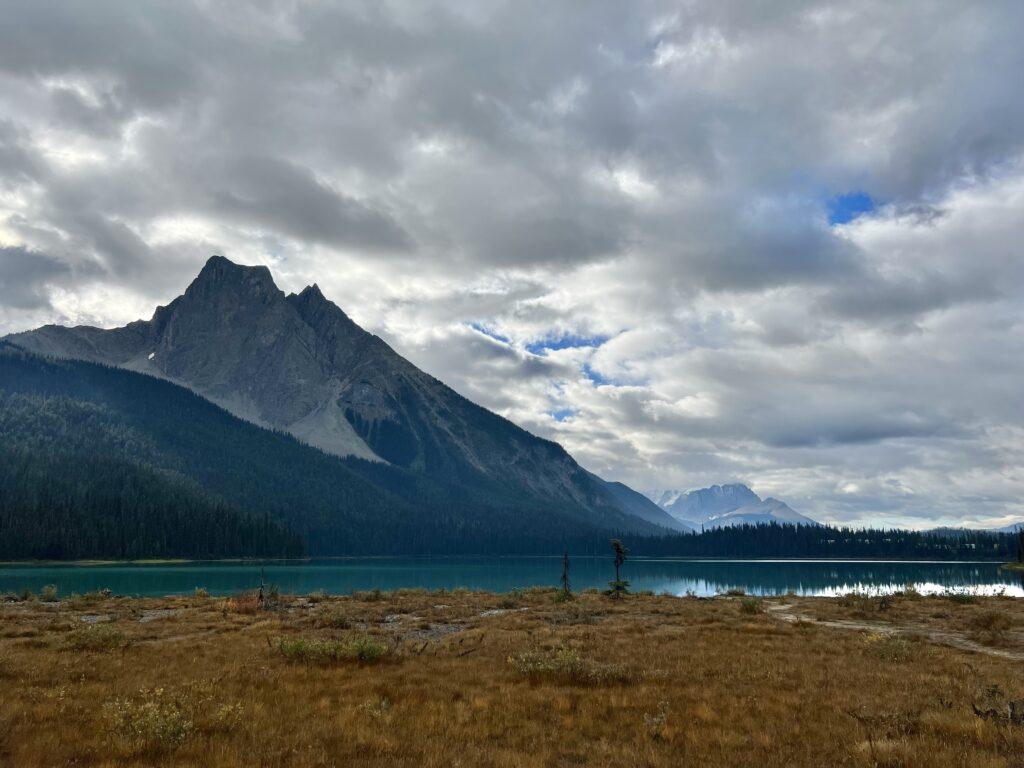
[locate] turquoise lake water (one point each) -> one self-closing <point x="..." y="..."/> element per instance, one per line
<point x="672" y="576"/>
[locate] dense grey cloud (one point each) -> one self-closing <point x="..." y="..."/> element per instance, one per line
<point x="609" y="221"/>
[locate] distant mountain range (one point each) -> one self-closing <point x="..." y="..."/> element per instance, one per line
<point x="947" y="530"/>
<point x="391" y="452"/>
<point x="726" y="505"/>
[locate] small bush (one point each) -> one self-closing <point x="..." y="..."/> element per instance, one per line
<point x="244" y="602"/>
<point x="750" y="606"/>
<point x="226" y="717"/>
<point x="891" y="648"/>
<point x="155" y="721"/>
<point x="97" y="637"/>
<point x="568" y="666"/>
<point x="27" y="596"/>
<point x="561" y="596"/>
<point x="200" y="594"/>
<point x="962" y="598"/>
<point x="334" y="620"/>
<point x="48" y="593"/>
<point x="316" y="651"/>
<point x="370" y="596"/>
<point x="990" y="626"/>
<point x="317" y="597"/>
<point x="863" y="603"/>
<point x="736" y="592"/>
<point x="367" y="648"/>
<point x="6" y="666"/>
<point x="508" y="603"/>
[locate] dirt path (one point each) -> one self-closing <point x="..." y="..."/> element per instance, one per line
<point x="941" y="637"/>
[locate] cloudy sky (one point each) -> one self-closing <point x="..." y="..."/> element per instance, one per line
<point x="777" y="243"/>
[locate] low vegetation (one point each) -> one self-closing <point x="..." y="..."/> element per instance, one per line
<point x="328" y="651"/>
<point x="418" y="678"/>
<point x="568" y="665"/>
<point x="97" y="637"/>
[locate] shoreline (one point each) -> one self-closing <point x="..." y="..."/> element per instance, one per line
<point x="100" y="562"/>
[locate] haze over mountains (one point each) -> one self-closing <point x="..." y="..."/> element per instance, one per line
<point x="727" y="505"/>
<point x="297" y="363"/>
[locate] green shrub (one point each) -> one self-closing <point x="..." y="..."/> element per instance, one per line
<point x="735" y="592"/>
<point x="963" y="598"/>
<point x="48" y="593"/>
<point x="562" y="596"/>
<point x="367" y="648"/>
<point x="568" y="666"/>
<point x="97" y="637"/>
<point x="328" y="651"/>
<point x="155" y="721"/>
<point x="750" y="606"/>
<point x="200" y="593"/>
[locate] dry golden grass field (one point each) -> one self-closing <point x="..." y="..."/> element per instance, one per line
<point x="472" y="679"/>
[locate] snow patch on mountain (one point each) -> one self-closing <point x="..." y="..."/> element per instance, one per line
<point x="726" y="505"/>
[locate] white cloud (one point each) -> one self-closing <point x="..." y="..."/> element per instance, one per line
<point x="651" y="176"/>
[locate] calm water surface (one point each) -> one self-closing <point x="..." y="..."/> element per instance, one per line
<point x="672" y="576"/>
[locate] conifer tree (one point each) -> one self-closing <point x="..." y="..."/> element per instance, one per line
<point x="618" y="587"/>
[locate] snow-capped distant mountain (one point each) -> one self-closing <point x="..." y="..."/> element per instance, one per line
<point x="727" y="505"/>
<point x="1012" y="528"/>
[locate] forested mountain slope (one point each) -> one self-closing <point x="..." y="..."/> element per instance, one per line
<point x="104" y="462"/>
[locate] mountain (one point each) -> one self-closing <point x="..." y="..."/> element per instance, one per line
<point x="97" y="461"/>
<point x="767" y="511"/>
<point x="727" y="505"/>
<point x="961" y="531"/>
<point x="298" y="364"/>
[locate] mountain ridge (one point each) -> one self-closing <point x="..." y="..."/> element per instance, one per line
<point x="299" y="364"/>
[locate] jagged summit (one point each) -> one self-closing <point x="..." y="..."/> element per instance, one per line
<point x="298" y="363"/>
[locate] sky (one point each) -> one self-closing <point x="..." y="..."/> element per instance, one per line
<point x="776" y="243"/>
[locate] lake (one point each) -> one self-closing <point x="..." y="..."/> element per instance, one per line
<point x="500" y="574"/>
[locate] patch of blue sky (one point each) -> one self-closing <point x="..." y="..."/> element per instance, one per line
<point x="595" y="376"/>
<point x="566" y="341"/>
<point x="843" y="209"/>
<point x="488" y="332"/>
<point x="563" y="413"/>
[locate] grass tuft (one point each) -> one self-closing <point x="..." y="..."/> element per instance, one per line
<point x="302" y="650"/>
<point x="567" y="665"/>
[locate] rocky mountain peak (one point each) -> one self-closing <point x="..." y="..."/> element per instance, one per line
<point x="221" y="276"/>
